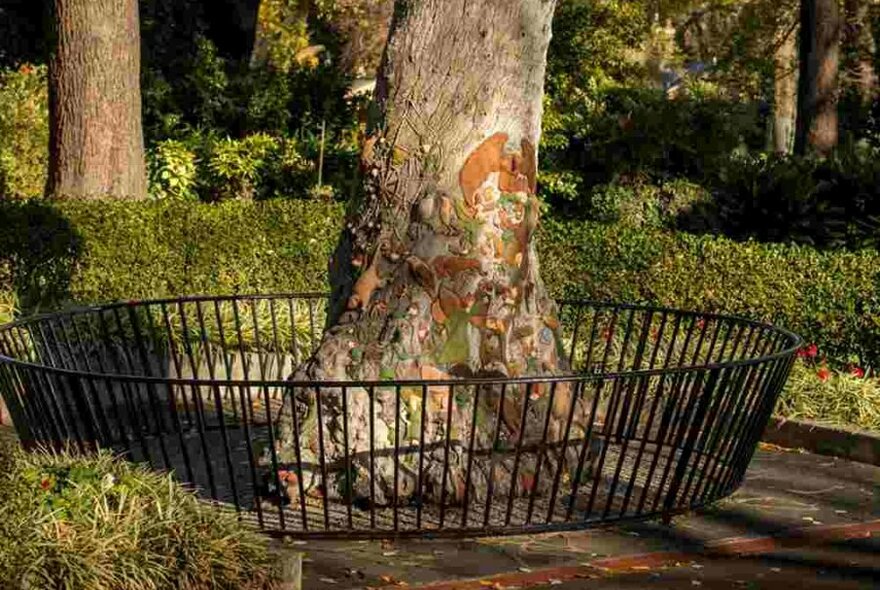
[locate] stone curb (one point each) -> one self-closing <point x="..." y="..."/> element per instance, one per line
<point x="729" y="547"/>
<point x="835" y="441"/>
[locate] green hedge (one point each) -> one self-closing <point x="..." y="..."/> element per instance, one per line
<point x="110" y="250"/>
<point x="51" y="255"/>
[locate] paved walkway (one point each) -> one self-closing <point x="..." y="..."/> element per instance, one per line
<point x="830" y="505"/>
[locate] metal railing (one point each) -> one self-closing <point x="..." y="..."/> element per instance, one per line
<point x="660" y="413"/>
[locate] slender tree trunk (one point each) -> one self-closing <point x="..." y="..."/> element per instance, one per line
<point x="818" y="84"/>
<point x="858" y="42"/>
<point x="785" y="94"/>
<point x="96" y="139"/>
<point x="436" y="275"/>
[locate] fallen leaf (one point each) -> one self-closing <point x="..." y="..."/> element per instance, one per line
<point x="775" y="569"/>
<point x="525" y="569"/>
<point x="327" y="580"/>
<point x="389" y="553"/>
<point x="696" y="583"/>
<point x="555" y="582"/>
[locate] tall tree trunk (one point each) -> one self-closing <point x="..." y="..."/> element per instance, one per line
<point x="436" y="275"/>
<point x="858" y="43"/>
<point x="818" y="84"/>
<point x="785" y="94"/>
<point x="96" y="140"/>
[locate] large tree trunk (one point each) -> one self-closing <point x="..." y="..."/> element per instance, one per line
<point x="818" y="85"/>
<point x="858" y="42"/>
<point x="785" y="94"/>
<point x="436" y="276"/>
<point x="96" y="139"/>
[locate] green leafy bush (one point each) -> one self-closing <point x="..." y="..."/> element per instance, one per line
<point x="100" y="251"/>
<point x="830" y="298"/>
<point x="827" y="203"/>
<point x="172" y="171"/>
<point x="24" y="131"/>
<point x="54" y="254"/>
<point x="90" y="523"/>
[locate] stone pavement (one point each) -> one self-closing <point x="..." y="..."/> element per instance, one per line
<point x="789" y="500"/>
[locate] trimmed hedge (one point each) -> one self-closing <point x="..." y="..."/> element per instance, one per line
<point x="54" y="254"/>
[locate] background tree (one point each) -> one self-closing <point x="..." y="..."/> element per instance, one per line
<point x="818" y="92"/>
<point x="96" y="140"/>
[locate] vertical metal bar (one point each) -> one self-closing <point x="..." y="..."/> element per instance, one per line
<point x="542" y="448"/>
<point x="470" y="461"/>
<point x="630" y="435"/>
<point x="151" y="388"/>
<point x="576" y="482"/>
<point x="133" y="418"/>
<point x="490" y="485"/>
<point x="101" y="415"/>
<point x="195" y="389"/>
<point x="175" y="361"/>
<point x="449" y="402"/>
<point x="218" y="407"/>
<point x="293" y="339"/>
<point x="349" y="475"/>
<point x="298" y="456"/>
<point x="560" y="466"/>
<point x="519" y="442"/>
<point x="679" y="431"/>
<point x="592" y="342"/>
<point x="246" y="418"/>
<point x="702" y="406"/>
<point x="372" y="422"/>
<point x="221" y="333"/>
<point x="395" y="498"/>
<point x="322" y="460"/>
<point x="616" y="393"/>
<point x="420" y="499"/>
<point x="652" y="413"/>
<point x="574" y="336"/>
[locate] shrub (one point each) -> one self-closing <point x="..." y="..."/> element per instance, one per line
<point x="90" y="523"/>
<point x="830" y="298"/>
<point x="172" y="171"/>
<point x="99" y="251"/>
<point x="24" y="131"/>
<point x="828" y="203"/>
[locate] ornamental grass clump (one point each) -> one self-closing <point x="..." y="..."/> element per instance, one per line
<point x="87" y="523"/>
<point x="814" y="391"/>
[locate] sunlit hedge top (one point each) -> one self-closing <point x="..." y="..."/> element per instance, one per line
<point x="51" y="255"/>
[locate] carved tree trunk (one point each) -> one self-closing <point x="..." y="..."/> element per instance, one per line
<point x="96" y="142"/>
<point x="818" y="85"/>
<point x="436" y="275"/>
<point x="785" y="94"/>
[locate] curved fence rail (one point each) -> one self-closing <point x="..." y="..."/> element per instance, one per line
<point x="660" y="413"/>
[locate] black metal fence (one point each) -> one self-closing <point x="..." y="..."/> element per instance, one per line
<point x="660" y="413"/>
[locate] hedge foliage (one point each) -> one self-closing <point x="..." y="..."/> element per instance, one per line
<point x="51" y="255"/>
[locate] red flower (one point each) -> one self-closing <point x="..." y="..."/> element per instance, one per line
<point x="45" y="483"/>
<point x="808" y="352"/>
<point x="701" y="323"/>
<point x="857" y="372"/>
<point x="823" y="373"/>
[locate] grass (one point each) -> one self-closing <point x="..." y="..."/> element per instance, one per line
<point x="838" y="399"/>
<point x="99" y="523"/>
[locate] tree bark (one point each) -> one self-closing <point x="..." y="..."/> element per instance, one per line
<point x="96" y="140"/>
<point x="785" y="94"/>
<point x="858" y="42"/>
<point x="817" y="127"/>
<point x="436" y="275"/>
